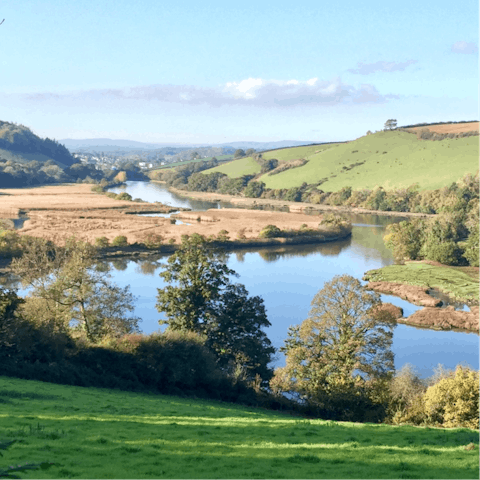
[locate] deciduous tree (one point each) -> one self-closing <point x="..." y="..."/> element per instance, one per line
<point x="74" y="292"/>
<point x="345" y="342"/>
<point x="201" y="298"/>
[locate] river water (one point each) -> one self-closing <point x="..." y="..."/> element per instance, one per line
<point x="287" y="278"/>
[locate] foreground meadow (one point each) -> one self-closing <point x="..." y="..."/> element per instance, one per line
<point x="99" y="433"/>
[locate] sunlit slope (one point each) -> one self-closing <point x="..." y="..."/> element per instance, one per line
<point x="387" y="159"/>
<point x="100" y="433"/>
<point x="237" y="168"/>
<point x="248" y="166"/>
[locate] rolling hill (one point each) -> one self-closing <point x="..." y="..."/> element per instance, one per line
<point x="19" y="144"/>
<point x="391" y="159"/>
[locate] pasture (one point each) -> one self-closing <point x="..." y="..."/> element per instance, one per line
<point x="100" y="433"/>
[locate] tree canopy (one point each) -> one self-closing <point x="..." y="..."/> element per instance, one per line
<point x="201" y="298"/>
<point x="345" y="342"/>
<point x="67" y="288"/>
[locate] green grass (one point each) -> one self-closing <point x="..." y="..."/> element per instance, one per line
<point x="220" y="158"/>
<point x="461" y="283"/>
<point x="100" y="433"/>
<point x="433" y="164"/>
<point x="237" y="168"/>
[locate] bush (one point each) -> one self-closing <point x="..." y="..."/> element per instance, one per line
<point x="153" y="240"/>
<point x="120" y="241"/>
<point x="448" y="253"/>
<point x="123" y="196"/>
<point x="223" y="236"/>
<point x="453" y="401"/>
<point x="270" y="231"/>
<point x="102" y="242"/>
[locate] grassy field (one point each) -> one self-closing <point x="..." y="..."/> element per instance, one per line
<point x="237" y="168"/>
<point x="248" y="166"/>
<point x="220" y="158"/>
<point x="457" y="282"/>
<point x="387" y="159"/>
<point x="99" y="433"/>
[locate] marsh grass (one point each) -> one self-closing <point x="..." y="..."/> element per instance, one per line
<point x="100" y="433"/>
<point x="457" y="282"/>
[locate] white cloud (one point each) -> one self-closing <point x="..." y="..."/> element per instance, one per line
<point x="367" y="68"/>
<point x="250" y="91"/>
<point x="464" y="47"/>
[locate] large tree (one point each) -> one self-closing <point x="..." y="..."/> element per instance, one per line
<point x="69" y="289"/>
<point x="201" y="298"/>
<point x="344" y="343"/>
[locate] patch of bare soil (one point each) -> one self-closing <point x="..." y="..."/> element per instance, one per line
<point x="449" y="128"/>
<point x="444" y="318"/>
<point x="413" y="294"/>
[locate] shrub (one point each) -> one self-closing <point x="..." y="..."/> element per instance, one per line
<point x="102" y="242"/>
<point x="153" y="240"/>
<point x="123" y="196"/>
<point x="448" y="253"/>
<point x="120" y="241"/>
<point x="453" y="401"/>
<point x="270" y="231"/>
<point x="223" y="236"/>
<point x="97" y="189"/>
<point x="332" y="219"/>
<point x="173" y="221"/>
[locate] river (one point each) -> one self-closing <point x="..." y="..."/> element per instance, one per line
<point x="287" y="278"/>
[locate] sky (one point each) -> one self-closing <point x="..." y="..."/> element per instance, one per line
<point x="215" y="71"/>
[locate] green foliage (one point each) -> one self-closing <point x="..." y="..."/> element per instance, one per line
<point x="74" y="293"/>
<point x="239" y="153"/>
<point x="405" y="239"/>
<point x="453" y="401"/>
<point x="205" y="302"/>
<point x="102" y="242"/>
<point x="472" y="249"/>
<point x="270" y="231"/>
<point x="254" y="189"/>
<point x="153" y="240"/>
<point x="119" y="241"/>
<point x="345" y="341"/>
<point x="124" y="196"/>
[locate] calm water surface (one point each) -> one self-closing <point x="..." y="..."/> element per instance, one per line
<point x="287" y="278"/>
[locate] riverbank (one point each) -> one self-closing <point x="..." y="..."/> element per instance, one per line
<point x="249" y="203"/>
<point x="415" y="280"/>
<point x="459" y="283"/>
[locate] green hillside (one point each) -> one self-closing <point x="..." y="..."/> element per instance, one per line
<point x="19" y="144"/>
<point x="100" y="433"/>
<point x="389" y="159"/>
<point x="237" y="168"/>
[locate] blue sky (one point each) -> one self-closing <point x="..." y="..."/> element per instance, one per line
<point x="214" y="72"/>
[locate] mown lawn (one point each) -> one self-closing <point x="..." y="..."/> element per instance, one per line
<point x="99" y="433"/>
<point x="457" y="282"/>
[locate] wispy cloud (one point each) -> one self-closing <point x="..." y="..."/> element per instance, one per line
<point x="251" y="91"/>
<point x="464" y="47"/>
<point x="381" y="66"/>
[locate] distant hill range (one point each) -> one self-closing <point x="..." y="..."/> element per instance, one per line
<point x="108" y="144"/>
<point x="18" y="143"/>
